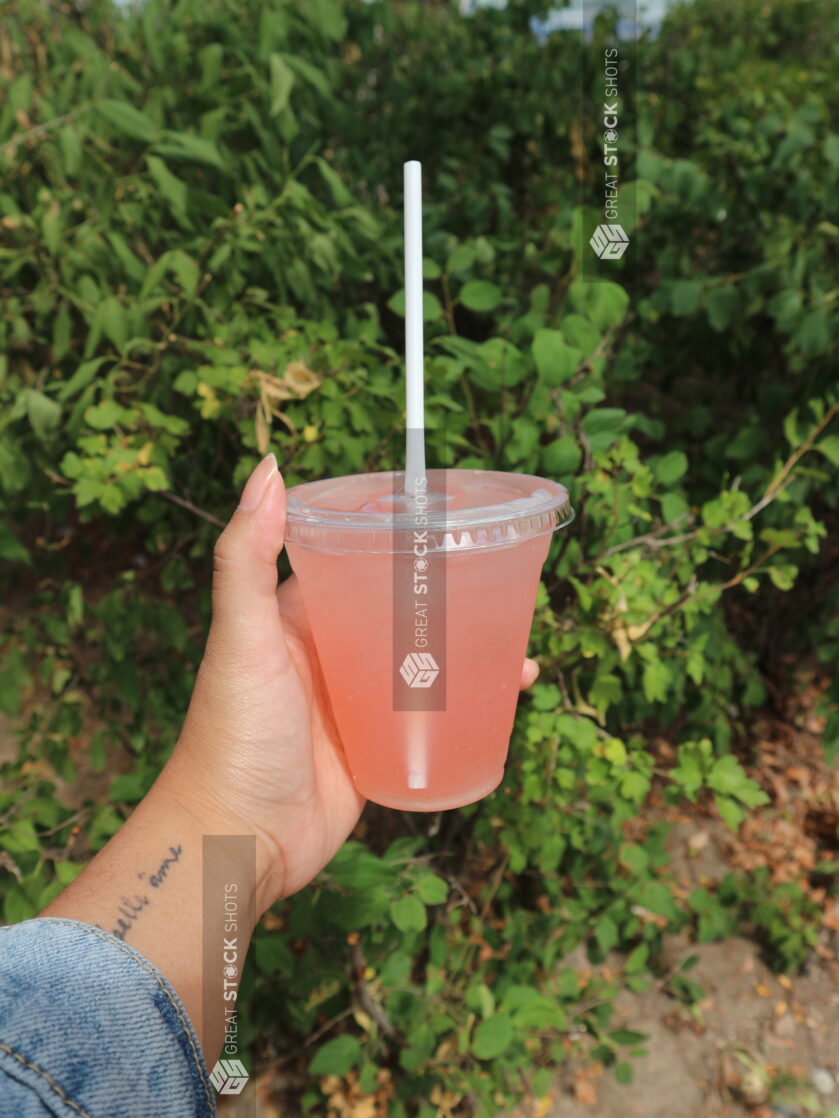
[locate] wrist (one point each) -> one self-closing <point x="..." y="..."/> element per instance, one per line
<point x="208" y="814"/>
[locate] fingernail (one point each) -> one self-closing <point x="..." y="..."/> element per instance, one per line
<point x="257" y="483"/>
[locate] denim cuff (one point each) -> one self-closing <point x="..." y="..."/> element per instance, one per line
<point x="90" y="1029"/>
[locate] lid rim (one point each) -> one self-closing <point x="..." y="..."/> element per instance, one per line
<point x="517" y="508"/>
<point x="461" y="548"/>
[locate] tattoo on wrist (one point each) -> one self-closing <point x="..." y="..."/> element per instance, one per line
<point x="131" y="908"/>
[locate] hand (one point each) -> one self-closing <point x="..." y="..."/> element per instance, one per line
<point x="259" y="752"/>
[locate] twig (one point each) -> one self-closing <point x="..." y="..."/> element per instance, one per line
<point x="688" y="593"/>
<point x="15" y="807"/>
<point x="366" y="1000"/>
<point x="496" y="884"/>
<point x="775" y="487"/>
<point x="208" y="516"/>
<point x="742" y="575"/>
<point x="68" y="822"/>
<point x="802" y="450"/>
<point x="41" y="129"/>
<point x="448" y="307"/>
<point x="331" y="1023"/>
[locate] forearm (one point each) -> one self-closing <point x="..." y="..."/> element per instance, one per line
<point x="147" y="887"/>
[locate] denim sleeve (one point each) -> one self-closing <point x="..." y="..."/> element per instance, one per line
<point x="90" y="1029"/>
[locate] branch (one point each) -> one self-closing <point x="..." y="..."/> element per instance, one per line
<point x="42" y="129"/>
<point x="208" y="516"/>
<point x="775" y="487"/>
<point x="802" y="450"/>
<point x="366" y="1000"/>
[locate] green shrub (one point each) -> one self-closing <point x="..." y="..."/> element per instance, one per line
<point x="201" y="258"/>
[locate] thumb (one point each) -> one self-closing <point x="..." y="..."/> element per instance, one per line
<point x="246" y="616"/>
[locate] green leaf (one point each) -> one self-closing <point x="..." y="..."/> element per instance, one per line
<point x="43" y="412"/>
<point x="722" y="307"/>
<point x="11" y="549"/>
<point x="673" y="505"/>
<point x="186" y="146"/>
<point x="14" y="678"/>
<point x="431" y="305"/>
<point x="603" y="426"/>
<point x="634" y="786"/>
<point x="17" y="906"/>
<point x="555" y="359"/>
<point x="732" y="814"/>
<point x="341" y="196"/>
<point x="634" y="857"/>
<point x="186" y="271"/>
<point x="408" y="914"/>
<point x="71" y="149"/>
<point x="830" y="738"/>
<point x="603" y="421"/>
<point x="561" y="458"/>
<point x="783" y="575"/>
<point x="813" y="334"/>
<point x="658" y="898"/>
<point x="785" y="307"/>
<point x="655" y="681"/>
<point x="624" y="1072"/>
<point x="829" y="447"/>
<point x="114" y="321"/>
<point x="606" y="933"/>
<point x="729" y="778"/>
<point x="493" y="1036"/>
<point x="20" y="837"/>
<point x="126" y="120"/>
<point x="51" y="227"/>
<point x="637" y="961"/>
<point x="337" y="1056"/>
<point x="531" y="1010"/>
<point x="309" y="73"/>
<point x="355" y="867"/>
<point x="106" y="415"/>
<point x="670" y="467"/>
<point x="685" y="296"/>
<point x="627" y="1037"/>
<point x="81" y="378"/>
<point x="61" y="333"/>
<point x="461" y="259"/>
<point x="604" y="302"/>
<point x="326" y="16"/>
<point x="281" y="82"/>
<point x="171" y="188"/>
<point x="480" y="295"/>
<point x="273" y="956"/>
<point x="432" y="889"/>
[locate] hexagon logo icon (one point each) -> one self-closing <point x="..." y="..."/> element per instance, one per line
<point x="419" y="669"/>
<point x="609" y="242"/>
<point x="229" y="1077"/>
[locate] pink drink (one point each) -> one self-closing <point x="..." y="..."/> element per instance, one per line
<point x="486" y="539"/>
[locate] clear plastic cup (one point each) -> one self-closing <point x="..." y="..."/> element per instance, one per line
<point x="423" y="683"/>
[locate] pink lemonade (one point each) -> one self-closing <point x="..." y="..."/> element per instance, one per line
<point x="487" y="539"/>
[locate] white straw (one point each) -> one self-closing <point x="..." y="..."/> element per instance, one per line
<point x="417" y="730"/>
<point x="417" y="724"/>
<point x="415" y="435"/>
